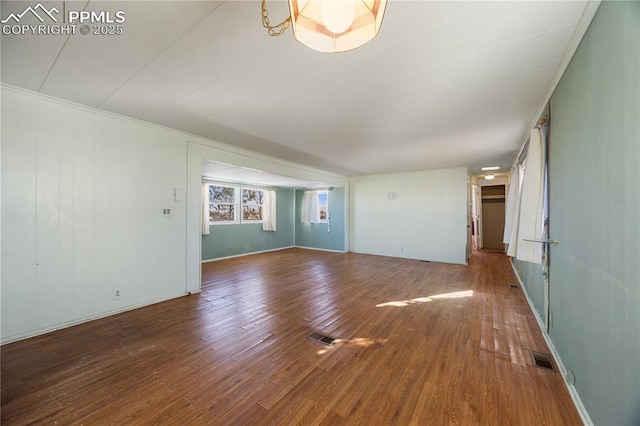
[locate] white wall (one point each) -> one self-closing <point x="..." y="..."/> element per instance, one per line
<point x="82" y="196"/>
<point x="427" y="221"/>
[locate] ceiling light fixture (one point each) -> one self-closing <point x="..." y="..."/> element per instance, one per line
<point x="490" y="177"/>
<point x="490" y="168"/>
<point x="330" y="25"/>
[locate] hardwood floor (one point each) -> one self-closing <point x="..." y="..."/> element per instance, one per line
<point x="418" y="343"/>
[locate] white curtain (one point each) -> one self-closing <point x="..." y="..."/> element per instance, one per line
<point x="205" y="209"/>
<point x="512" y="250"/>
<point x="269" y="210"/>
<point x="310" y="207"/>
<point x="513" y="198"/>
<point x="532" y="201"/>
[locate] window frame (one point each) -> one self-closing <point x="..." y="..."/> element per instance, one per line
<point x="238" y="205"/>
<point x="326" y="219"/>
<point x="242" y="205"/>
<point x="234" y="204"/>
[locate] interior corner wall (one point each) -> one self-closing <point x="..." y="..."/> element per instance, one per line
<point x="594" y="176"/>
<point x="417" y="215"/>
<point x="82" y="201"/>
<point x="315" y="235"/>
<point x="245" y="238"/>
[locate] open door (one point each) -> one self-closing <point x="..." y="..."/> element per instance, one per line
<point x="469" y="218"/>
<point x="476" y="212"/>
<point x="493" y="217"/>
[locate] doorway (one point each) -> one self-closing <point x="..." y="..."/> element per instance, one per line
<point x="493" y="217"/>
<point x="475" y="217"/>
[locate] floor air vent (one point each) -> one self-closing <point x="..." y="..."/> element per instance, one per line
<point x="324" y="339"/>
<point x="513" y="285"/>
<point x="542" y="360"/>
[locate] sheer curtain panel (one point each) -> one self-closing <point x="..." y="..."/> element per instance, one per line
<point x="269" y="210"/>
<point x="205" y="209"/>
<point x="310" y="207"/>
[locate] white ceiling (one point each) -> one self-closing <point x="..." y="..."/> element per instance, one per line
<point x="445" y="84"/>
<point x="222" y="172"/>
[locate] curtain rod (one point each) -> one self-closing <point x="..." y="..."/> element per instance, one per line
<point x="543" y="120"/>
<point x="525" y="146"/>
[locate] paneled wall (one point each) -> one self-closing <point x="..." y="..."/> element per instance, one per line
<point x="83" y="233"/>
<point x="83" y="196"/>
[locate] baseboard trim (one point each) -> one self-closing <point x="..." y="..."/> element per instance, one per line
<point x="586" y="419"/>
<point x="83" y="320"/>
<point x="246" y="254"/>
<point x="321" y="249"/>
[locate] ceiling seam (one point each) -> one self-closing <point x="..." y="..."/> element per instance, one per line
<point x="476" y="53"/>
<point x="441" y="24"/>
<point x="435" y="27"/>
<point x="426" y="92"/>
<point x="53" y="64"/>
<point x="544" y="64"/>
<point x="471" y="55"/>
<point x="421" y="70"/>
<point x="262" y="95"/>
<point x="158" y="55"/>
<point x="179" y="98"/>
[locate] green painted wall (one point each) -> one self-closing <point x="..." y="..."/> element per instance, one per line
<point x="594" y="161"/>
<point x="231" y="240"/>
<point x="531" y="276"/>
<point x="315" y="235"/>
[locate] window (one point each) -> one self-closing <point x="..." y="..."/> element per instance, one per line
<point x="222" y="204"/>
<point x="315" y="206"/>
<point x="234" y="204"/>
<point x="252" y="205"/>
<point x="323" y="205"/>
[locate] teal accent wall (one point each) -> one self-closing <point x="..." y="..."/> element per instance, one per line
<point x="315" y="235"/>
<point x="594" y="175"/>
<point x="231" y="240"/>
<point x="531" y="276"/>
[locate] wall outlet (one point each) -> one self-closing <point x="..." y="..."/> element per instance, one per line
<point x="166" y="212"/>
<point x="117" y="293"/>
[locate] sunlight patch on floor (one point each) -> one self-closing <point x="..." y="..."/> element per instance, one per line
<point x="363" y="342"/>
<point x="444" y="296"/>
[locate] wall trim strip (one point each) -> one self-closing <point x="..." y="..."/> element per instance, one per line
<point x="246" y="254"/>
<point x="87" y="319"/>
<point x="320" y="249"/>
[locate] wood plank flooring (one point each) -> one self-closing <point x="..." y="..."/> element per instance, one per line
<point x="418" y="343"/>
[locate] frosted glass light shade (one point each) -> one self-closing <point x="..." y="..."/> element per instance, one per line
<point x="338" y="15"/>
<point x="314" y="23"/>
